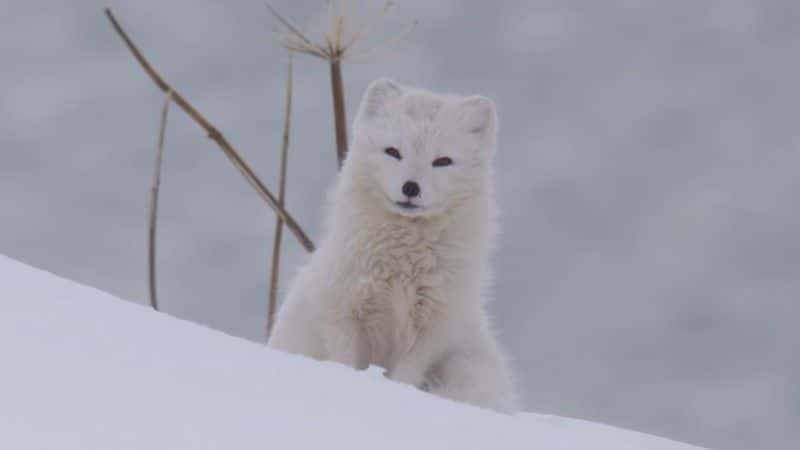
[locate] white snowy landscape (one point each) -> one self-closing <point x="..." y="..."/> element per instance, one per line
<point x="647" y="272"/>
<point x="84" y="370"/>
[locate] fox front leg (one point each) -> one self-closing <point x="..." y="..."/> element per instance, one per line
<point x="346" y="343"/>
<point x="413" y="365"/>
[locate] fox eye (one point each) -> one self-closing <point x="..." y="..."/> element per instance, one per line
<point x="393" y="152"/>
<point x="443" y="161"/>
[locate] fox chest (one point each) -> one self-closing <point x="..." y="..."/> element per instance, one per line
<point x="399" y="291"/>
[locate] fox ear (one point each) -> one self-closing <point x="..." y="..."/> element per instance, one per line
<point x="478" y="116"/>
<point x="378" y="94"/>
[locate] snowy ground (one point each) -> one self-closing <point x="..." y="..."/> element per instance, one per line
<point x="83" y="370"/>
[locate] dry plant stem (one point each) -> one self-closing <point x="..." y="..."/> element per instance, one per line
<point x="276" y="243"/>
<point x="217" y="137"/>
<point x="334" y="50"/>
<point x="151" y="238"/>
<point x="339" y="115"/>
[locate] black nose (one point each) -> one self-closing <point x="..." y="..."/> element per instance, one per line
<point x="410" y="189"/>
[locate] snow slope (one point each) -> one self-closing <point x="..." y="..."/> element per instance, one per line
<point x="82" y="370"/>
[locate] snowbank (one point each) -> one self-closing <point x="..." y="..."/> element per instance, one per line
<point x="83" y="370"/>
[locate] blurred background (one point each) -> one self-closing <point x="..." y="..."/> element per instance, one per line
<point x="648" y="274"/>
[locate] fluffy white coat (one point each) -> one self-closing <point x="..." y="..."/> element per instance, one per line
<point x="398" y="281"/>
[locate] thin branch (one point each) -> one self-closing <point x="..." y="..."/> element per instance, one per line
<point x="363" y="55"/>
<point x="331" y="23"/>
<point x="369" y="26"/>
<point x="338" y="30"/>
<point x="217" y="137"/>
<point x="294" y="29"/>
<point x="151" y="238"/>
<point x="293" y="43"/>
<point x="276" y="243"/>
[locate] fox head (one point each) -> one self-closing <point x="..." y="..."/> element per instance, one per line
<point x="419" y="154"/>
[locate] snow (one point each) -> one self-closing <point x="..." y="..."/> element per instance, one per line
<point x="84" y="370"/>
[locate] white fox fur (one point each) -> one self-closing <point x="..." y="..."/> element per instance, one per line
<point x="398" y="281"/>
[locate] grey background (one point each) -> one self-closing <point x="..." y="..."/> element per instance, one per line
<point x="649" y="268"/>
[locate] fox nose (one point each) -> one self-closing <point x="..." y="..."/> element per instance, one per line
<point x="410" y="189"/>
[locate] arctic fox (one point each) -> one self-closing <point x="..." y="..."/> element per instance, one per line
<point x="398" y="278"/>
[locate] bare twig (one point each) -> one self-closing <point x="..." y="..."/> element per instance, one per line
<point x="151" y="241"/>
<point x="276" y="243"/>
<point x="370" y="25"/>
<point x="363" y="55"/>
<point x="293" y="29"/>
<point x="217" y="137"/>
<point x="334" y="50"/>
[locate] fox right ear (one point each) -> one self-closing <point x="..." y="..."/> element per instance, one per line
<point x="378" y="94"/>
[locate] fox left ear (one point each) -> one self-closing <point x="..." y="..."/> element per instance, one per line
<point x="478" y="116"/>
<point x="379" y="93"/>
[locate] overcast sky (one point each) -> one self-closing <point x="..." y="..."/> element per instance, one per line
<point x="649" y="175"/>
